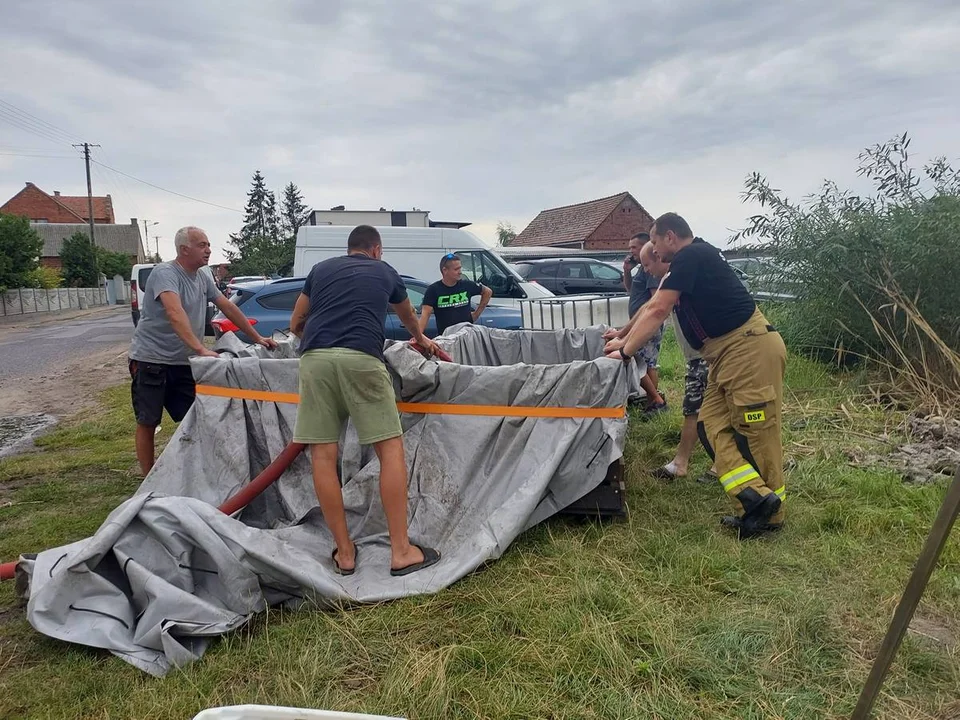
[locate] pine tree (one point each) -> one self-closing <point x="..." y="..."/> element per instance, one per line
<point x="294" y="213"/>
<point x="267" y="241"/>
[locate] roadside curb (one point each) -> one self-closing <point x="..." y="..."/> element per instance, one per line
<point x="31" y="320"/>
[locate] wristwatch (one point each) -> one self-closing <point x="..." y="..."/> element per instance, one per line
<point x="626" y="358"/>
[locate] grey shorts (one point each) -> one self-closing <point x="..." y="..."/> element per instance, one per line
<point x="694" y="386"/>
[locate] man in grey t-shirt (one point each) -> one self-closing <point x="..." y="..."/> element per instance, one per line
<point x="641" y="288"/>
<point x="170" y="330"/>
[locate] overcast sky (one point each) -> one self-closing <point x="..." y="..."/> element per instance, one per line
<point x="477" y="111"/>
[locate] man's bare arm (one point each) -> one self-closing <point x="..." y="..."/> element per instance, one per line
<point x="425" y="312"/>
<point x="299" y="317"/>
<point x="181" y="323"/>
<point x="485" y="296"/>
<point x="646" y="322"/>
<point x="408" y="316"/>
<point x="627" y="275"/>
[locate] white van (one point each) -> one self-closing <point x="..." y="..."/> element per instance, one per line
<point x="416" y="252"/>
<point x="138" y="281"/>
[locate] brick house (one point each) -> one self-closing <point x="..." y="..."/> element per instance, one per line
<point x="606" y="224"/>
<point x="39" y="207"/>
<point x="57" y="217"/>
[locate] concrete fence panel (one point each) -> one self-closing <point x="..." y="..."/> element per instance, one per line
<point x="12" y="304"/>
<point x="28" y="297"/>
<point x="29" y="301"/>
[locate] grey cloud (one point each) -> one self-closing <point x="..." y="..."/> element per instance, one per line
<point x="479" y="110"/>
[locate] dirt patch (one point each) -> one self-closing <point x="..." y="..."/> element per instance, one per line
<point x="931" y="453"/>
<point x="67" y="390"/>
<point x="933" y="631"/>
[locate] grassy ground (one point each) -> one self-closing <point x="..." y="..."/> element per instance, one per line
<point x="660" y="616"/>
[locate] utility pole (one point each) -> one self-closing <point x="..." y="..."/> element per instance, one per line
<point x="86" y="158"/>
<point x="156" y="239"/>
<point x="146" y="236"/>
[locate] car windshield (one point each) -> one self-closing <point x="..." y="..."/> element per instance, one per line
<point x="523" y="269"/>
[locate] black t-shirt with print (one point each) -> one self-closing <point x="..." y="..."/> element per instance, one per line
<point x="348" y="303"/>
<point x="713" y="301"/>
<point x="451" y="305"/>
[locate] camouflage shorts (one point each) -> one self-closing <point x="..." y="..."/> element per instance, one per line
<point x="695" y="384"/>
<point x="649" y="354"/>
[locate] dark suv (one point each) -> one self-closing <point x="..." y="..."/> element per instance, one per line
<point x="573" y="276"/>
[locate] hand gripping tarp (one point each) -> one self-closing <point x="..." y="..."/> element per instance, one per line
<point x="167" y="571"/>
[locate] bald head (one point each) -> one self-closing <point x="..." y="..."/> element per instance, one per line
<point x="651" y="262"/>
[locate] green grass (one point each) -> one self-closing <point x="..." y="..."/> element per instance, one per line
<point x="659" y="616"/>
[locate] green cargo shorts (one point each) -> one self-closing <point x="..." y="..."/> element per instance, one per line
<point x="337" y="383"/>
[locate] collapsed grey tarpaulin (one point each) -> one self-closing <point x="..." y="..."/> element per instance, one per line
<point x="167" y="570"/>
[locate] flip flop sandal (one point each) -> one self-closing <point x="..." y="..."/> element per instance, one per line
<point x="430" y="557"/>
<point x="662" y="473"/>
<point x="336" y="566"/>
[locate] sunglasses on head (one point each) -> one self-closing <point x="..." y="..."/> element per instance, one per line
<point x="450" y="256"/>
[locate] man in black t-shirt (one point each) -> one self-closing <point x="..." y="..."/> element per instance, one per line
<point x="740" y="415"/>
<point x="449" y="297"/>
<point x="339" y="319"/>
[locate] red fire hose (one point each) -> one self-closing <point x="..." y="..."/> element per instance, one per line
<point x="271" y="473"/>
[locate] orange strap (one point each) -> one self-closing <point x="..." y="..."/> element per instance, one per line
<point x="431" y="408"/>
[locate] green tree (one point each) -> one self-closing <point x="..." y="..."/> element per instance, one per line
<point x="46" y="278"/>
<point x="259" y="245"/>
<point x="294" y="213"/>
<point x="114" y="263"/>
<point x="506" y="233"/>
<point x="20" y="247"/>
<point x="79" y="259"/>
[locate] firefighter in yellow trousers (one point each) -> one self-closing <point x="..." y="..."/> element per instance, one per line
<point x="740" y="416"/>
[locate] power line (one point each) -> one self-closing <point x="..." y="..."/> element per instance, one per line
<point x="27" y="116"/>
<point x="38" y="155"/>
<point x="20" y="118"/>
<point x="37" y="130"/>
<point x="163" y="189"/>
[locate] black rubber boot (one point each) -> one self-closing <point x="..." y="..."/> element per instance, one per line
<point x="757" y="511"/>
<point x="732" y="522"/>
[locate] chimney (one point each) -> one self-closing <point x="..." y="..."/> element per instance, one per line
<point x="56" y="193"/>
<point x="133" y="221"/>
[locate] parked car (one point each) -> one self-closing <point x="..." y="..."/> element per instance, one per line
<point x="765" y="278"/>
<point x="241" y="280"/>
<point x="268" y="305"/>
<point x="138" y="282"/>
<point x="572" y="276"/>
